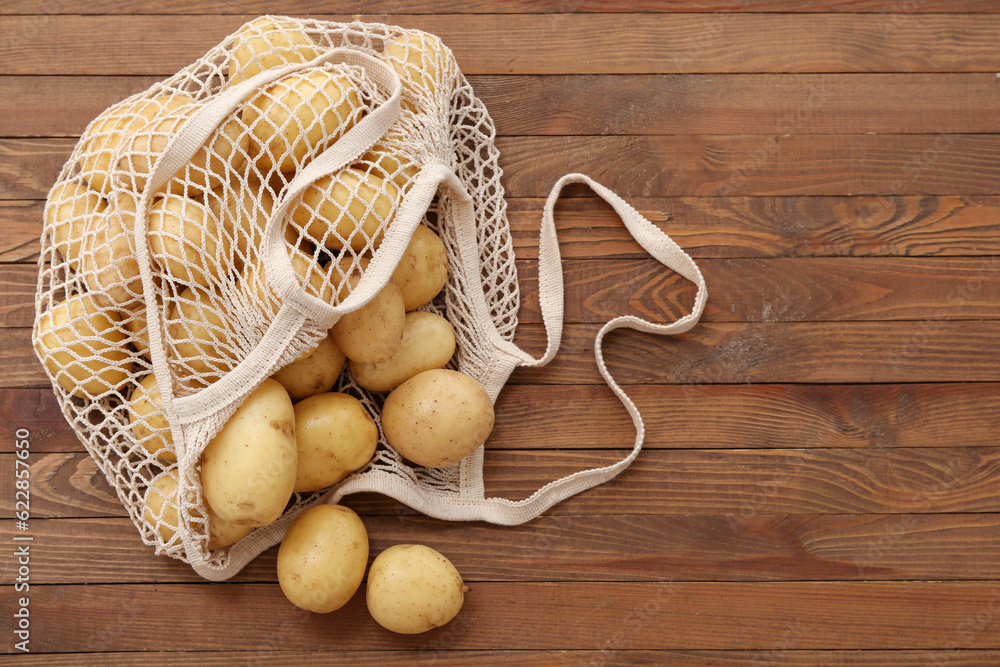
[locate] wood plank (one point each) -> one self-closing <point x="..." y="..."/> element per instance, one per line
<point x="911" y="226"/>
<point x="778" y="655"/>
<point x="594" y="616"/>
<point x="587" y="548"/>
<point x="736" y="483"/>
<point x="745" y="290"/>
<point x="712" y="166"/>
<point x="748" y="290"/>
<point x="787" y="416"/>
<point x="315" y="7"/>
<point x="549" y="44"/>
<point x="580" y="105"/>
<point x="782" y="226"/>
<point x="717" y="352"/>
<point x="687" y="165"/>
<point x="809" y="352"/>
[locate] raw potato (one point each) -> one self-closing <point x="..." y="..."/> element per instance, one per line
<point x="326" y="103"/>
<point x="351" y="208"/>
<point x="437" y="418"/>
<point x="418" y="58"/>
<point x="69" y="209"/>
<point x="188" y="242"/>
<point x="244" y="209"/>
<point x="373" y="332"/>
<point x="222" y="533"/>
<point x="322" y="558"/>
<point x="413" y="588"/>
<point x="200" y="337"/>
<point x="389" y="165"/>
<point x="314" y="373"/>
<point x="83" y="347"/>
<point x="428" y="342"/>
<point x="266" y="43"/>
<point x="335" y="436"/>
<point x="108" y="261"/>
<point x="248" y="468"/>
<point x="423" y="270"/>
<point x="105" y="135"/>
<point x="149" y="424"/>
<point x="160" y="505"/>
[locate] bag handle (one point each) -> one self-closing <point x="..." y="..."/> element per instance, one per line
<point x="550" y="286"/>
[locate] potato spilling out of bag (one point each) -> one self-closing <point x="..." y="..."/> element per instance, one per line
<point x="428" y="342"/>
<point x="322" y="558"/>
<point x="335" y="436"/>
<point x="248" y="468"/>
<point x="413" y="588"/>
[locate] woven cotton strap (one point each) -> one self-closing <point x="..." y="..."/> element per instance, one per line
<point x="550" y="282"/>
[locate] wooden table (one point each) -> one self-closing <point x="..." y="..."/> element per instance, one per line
<point x="820" y="482"/>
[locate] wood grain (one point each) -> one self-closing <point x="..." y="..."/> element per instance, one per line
<point x="637" y="615"/>
<point x="691" y="165"/>
<point x="549" y="44"/>
<point x="591" y="104"/>
<point x="778" y="655"/>
<point x="782" y="416"/>
<point x="895" y="547"/>
<point x="314" y="7"/>
<point x="735" y="483"/>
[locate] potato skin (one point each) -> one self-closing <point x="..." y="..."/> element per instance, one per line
<point x="428" y="342"/>
<point x="438" y="417"/>
<point x="373" y="332"/>
<point x="149" y="425"/>
<point x="322" y="558"/>
<point x="314" y="373"/>
<point x="413" y="588"/>
<point x="335" y="436"/>
<point x="423" y="270"/>
<point x="248" y="468"/>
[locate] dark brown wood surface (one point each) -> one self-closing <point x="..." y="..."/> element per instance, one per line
<point x="820" y="482"/>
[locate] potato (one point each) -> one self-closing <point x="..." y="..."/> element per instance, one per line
<point x="419" y="59"/>
<point x="108" y="262"/>
<point x="351" y="208"/>
<point x="68" y="211"/>
<point x="245" y="210"/>
<point x="160" y="505"/>
<point x="248" y="468"/>
<point x="229" y="144"/>
<point x="314" y="373"/>
<point x="187" y="241"/>
<point x="82" y="346"/>
<point x="222" y="533"/>
<point x="437" y="418"/>
<point x="326" y="103"/>
<point x="423" y="270"/>
<point x="200" y="337"/>
<point x="413" y="588"/>
<point x="105" y="135"/>
<point x="389" y="165"/>
<point x="149" y="424"/>
<point x="373" y="332"/>
<point x="266" y="43"/>
<point x="322" y="558"/>
<point x="428" y="342"/>
<point x="335" y="436"/>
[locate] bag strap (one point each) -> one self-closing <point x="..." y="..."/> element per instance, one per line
<point x="550" y="286"/>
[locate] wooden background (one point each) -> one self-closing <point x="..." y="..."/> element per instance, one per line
<point x="820" y="482"/>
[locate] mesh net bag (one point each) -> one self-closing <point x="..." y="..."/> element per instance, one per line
<point x="211" y="230"/>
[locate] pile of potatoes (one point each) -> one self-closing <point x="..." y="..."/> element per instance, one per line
<point x="293" y="434"/>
